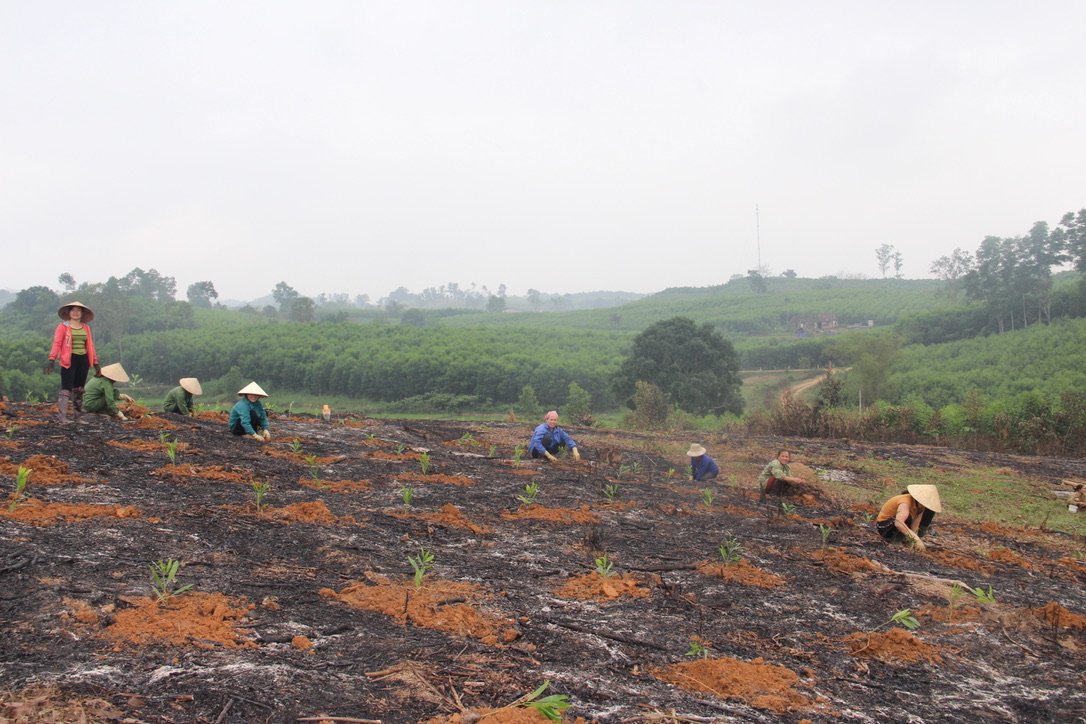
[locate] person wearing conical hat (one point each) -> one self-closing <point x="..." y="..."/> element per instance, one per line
<point x="73" y="345"/>
<point x="179" y="399"/>
<point x="248" y="416"/>
<point x="101" y="397"/>
<point x="906" y="517"/>
<point x="702" y="465"/>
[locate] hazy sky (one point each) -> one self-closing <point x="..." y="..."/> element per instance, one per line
<point x="353" y="146"/>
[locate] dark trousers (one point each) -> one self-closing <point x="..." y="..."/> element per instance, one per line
<point x="548" y="445"/>
<point x="76" y="375"/>
<point x="254" y="422"/>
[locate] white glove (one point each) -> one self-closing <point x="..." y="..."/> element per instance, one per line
<point x="127" y="398"/>
<point x="550" y="457"/>
<point x="257" y="436"/>
<point x="266" y="435"/>
<point x="576" y="454"/>
<point x="120" y="415"/>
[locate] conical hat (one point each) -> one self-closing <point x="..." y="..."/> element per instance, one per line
<point x="191" y="385"/>
<point x="695" y="450"/>
<point x="252" y="389"/>
<point x="115" y="372"/>
<point x="926" y="495"/>
<point x="88" y="313"/>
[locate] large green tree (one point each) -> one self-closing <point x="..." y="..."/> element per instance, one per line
<point x="695" y="366"/>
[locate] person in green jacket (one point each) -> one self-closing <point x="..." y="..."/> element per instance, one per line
<point x="101" y="397"/>
<point x="248" y="416"/>
<point x="179" y="399"/>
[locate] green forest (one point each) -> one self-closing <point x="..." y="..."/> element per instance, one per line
<point x="988" y="353"/>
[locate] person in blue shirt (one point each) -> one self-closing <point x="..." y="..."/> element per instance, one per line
<point x="248" y="416"/>
<point x="702" y="466"/>
<point x="548" y="439"/>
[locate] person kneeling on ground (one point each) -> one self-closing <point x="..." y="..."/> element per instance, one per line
<point x="702" y="466"/>
<point x="548" y="439"/>
<point x="101" y="397"/>
<point x="248" y="416"/>
<point x="776" y="476"/>
<point x="906" y="517"/>
<point x="179" y="399"/>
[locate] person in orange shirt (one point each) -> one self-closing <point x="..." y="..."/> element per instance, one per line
<point x="906" y="517"/>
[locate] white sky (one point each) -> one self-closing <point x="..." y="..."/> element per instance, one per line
<point x="353" y="146"/>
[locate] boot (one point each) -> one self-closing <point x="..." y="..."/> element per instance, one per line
<point x="77" y="406"/>
<point x="62" y="407"/>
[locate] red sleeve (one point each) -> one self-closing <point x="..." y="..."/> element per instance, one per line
<point x="58" y="339"/>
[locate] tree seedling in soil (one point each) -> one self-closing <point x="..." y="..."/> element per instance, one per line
<point x="22" y="477"/>
<point x="826" y="531"/>
<point x="982" y="595"/>
<point x="164" y="579"/>
<point x="259" y="491"/>
<point x="550" y="706"/>
<point x="163" y="437"/>
<point x="518" y="453"/>
<point x="697" y="649"/>
<point x="955" y="595"/>
<point x="731" y="551"/>
<point x="467" y="439"/>
<point x="492" y="451"/>
<point x="296" y="446"/>
<point x="11" y="431"/>
<point x="407" y="494"/>
<point x="707" y="497"/>
<point x="610" y="491"/>
<point x="531" y="492"/>
<point x="787" y="508"/>
<point x="604" y="567"/>
<point x="424" y="462"/>
<point x="171" y="452"/>
<point x="422" y="563"/>
<point x="670" y="473"/>
<point x="314" y="467"/>
<point x="904" y="617"/>
<point x="400" y="447"/>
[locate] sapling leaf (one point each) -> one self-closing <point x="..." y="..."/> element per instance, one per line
<point x="422" y="563"/>
<point x="550" y="706"/>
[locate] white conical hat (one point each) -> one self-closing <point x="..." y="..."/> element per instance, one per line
<point x="191" y="385"/>
<point x="88" y="313"/>
<point x="115" y="372"/>
<point x="252" y="389"/>
<point x="926" y="495"/>
<point x="695" y="450"/>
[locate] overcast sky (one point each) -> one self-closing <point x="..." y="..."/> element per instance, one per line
<point x="353" y="146"/>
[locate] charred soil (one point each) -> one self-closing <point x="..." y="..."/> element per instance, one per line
<point x="609" y="582"/>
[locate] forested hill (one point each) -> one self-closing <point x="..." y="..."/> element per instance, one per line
<point x="747" y="306"/>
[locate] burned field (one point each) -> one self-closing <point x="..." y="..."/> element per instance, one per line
<point x="308" y="605"/>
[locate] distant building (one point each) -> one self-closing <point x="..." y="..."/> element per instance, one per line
<point x="804" y="324"/>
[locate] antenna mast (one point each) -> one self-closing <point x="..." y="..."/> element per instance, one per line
<point x="758" y="235"/>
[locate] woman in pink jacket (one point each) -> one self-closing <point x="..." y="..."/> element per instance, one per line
<point x="73" y="345"/>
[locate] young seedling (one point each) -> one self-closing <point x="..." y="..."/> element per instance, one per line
<point x="407" y="494"/>
<point x="492" y="451"/>
<point x="982" y="595"/>
<point x="826" y="531"/>
<point x="467" y="439"/>
<point x="171" y="452"/>
<point x="11" y="431"/>
<point x="296" y="446"/>
<point x="259" y="491"/>
<point x="424" y="462"/>
<point x="422" y="563"/>
<point x="707" y="497"/>
<point x="635" y="467"/>
<point x="904" y="617"/>
<point x="670" y="473"/>
<point x="164" y="437"/>
<point x="531" y="492"/>
<point x="314" y="467"/>
<point x="518" y="453"/>
<point x="604" y="567"/>
<point x="787" y="508"/>
<point x="731" y="551"/>
<point x="22" y="477"/>
<point x="164" y="579"/>
<point x="610" y="491"/>
<point x="400" y="447"/>
<point x="550" y="706"/>
<point x="955" y="595"/>
<point x="697" y="649"/>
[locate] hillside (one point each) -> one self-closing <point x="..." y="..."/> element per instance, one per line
<point x="307" y="607"/>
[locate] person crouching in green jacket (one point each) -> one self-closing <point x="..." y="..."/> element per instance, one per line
<point x="248" y="416"/>
<point x="179" y="399"/>
<point x="101" y="397"/>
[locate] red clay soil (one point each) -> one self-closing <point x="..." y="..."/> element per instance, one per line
<point x="307" y="609"/>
